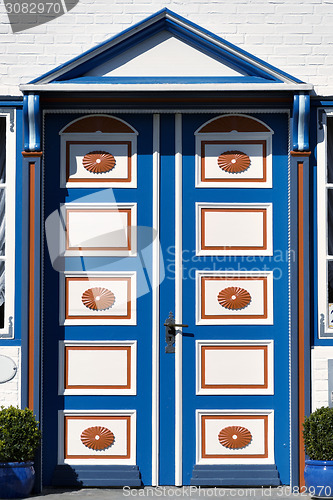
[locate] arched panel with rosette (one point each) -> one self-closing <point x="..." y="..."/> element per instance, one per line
<point x="98" y="151"/>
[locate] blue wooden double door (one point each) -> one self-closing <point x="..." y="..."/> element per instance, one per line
<point x="166" y="299"/>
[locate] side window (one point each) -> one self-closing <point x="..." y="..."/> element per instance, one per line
<point x="329" y="185"/>
<point x="7" y="222"/>
<point x="2" y="220"/>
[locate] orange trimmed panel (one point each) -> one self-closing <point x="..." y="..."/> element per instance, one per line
<point x="93" y="176"/>
<point x="126" y="211"/>
<point x="126" y="418"/>
<point x="127" y="349"/>
<point x="92" y="278"/>
<point x="233" y="178"/>
<point x="203" y="211"/>
<point x="205" y="348"/>
<point x="205" y="418"/>
<point x="230" y="316"/>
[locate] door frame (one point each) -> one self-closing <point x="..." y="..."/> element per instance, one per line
<point x="32" y="162"/>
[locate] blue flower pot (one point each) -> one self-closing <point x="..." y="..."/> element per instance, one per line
<point x="318" y="475"/>
<point x="16" y="479"/>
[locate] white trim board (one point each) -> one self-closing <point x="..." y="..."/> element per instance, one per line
<point x="156" y="301"/>
<point x="10" y="192"/>
<point x="153" y="87"/>
<point x="324" y="331"/>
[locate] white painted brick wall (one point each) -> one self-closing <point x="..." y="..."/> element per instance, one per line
<point x="296" y="36"/>
<point x="10" y="392"/>
<point x="319" y="372"/>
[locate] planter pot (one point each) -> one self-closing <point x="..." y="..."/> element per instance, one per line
<point x="16" y="479"/>
<point x="318" y="475"/>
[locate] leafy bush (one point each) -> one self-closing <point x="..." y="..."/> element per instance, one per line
<point x="318" y="434"/>
<point x="19" y="434"/>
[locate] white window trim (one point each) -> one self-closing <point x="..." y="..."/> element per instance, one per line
<point x="322" y="223"/>
<point x="9" y="258"/>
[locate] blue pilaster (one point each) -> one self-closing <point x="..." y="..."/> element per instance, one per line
<point x="301" y="122"/>
<point x="32" y="122"/>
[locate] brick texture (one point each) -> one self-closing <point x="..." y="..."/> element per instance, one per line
<point x="10" y="392"/>
<point x="296" y="36"/>
<point x="320" y="357"/>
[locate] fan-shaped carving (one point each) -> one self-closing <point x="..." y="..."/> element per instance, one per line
<point x="234" y="297"/>
<point x="98" y="298"/>
<point x="234" y="162"/>
<point x="97" y="438"/>
<point x="235" y="437"/>
<point x="98" y="162"/>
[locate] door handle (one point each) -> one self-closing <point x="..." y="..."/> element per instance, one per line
<point x="170" y="332"/>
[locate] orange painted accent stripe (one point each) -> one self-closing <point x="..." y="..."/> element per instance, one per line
<point x="31" y="342"/>
<point x="300" y="153"/>
<point x="301" y="346"/>
<point x="34" y="154"/>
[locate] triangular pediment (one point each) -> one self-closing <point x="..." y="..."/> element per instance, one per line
<point x="165" y="51"/>
<point x="163" y="55"/>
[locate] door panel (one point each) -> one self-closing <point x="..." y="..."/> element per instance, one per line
<point x="235" y="299"/>
<point x="97" y="394"/>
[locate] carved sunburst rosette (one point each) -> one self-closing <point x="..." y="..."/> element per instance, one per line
<point x="98" y="298"/>
<point x="235" y="437"/>
<point x="234" y="297"/>
<point x="97" y="438"/>
<point x="234" y="162"/>
<point x="98" y="162"/>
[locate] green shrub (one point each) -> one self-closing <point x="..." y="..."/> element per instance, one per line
<point x="318" y="434"/>
<point x="19" y="435"/>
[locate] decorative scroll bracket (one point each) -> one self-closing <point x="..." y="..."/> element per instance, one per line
<point x="32" y="123"/>
<point x="301" y="122"/>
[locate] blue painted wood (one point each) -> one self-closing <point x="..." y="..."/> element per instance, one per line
<point x="278" y="263"/>
<point x="167" y="300"/>
<point x="235" y="475"/>
<point x="106" y="475"/>
<point x="53" y="333"/>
